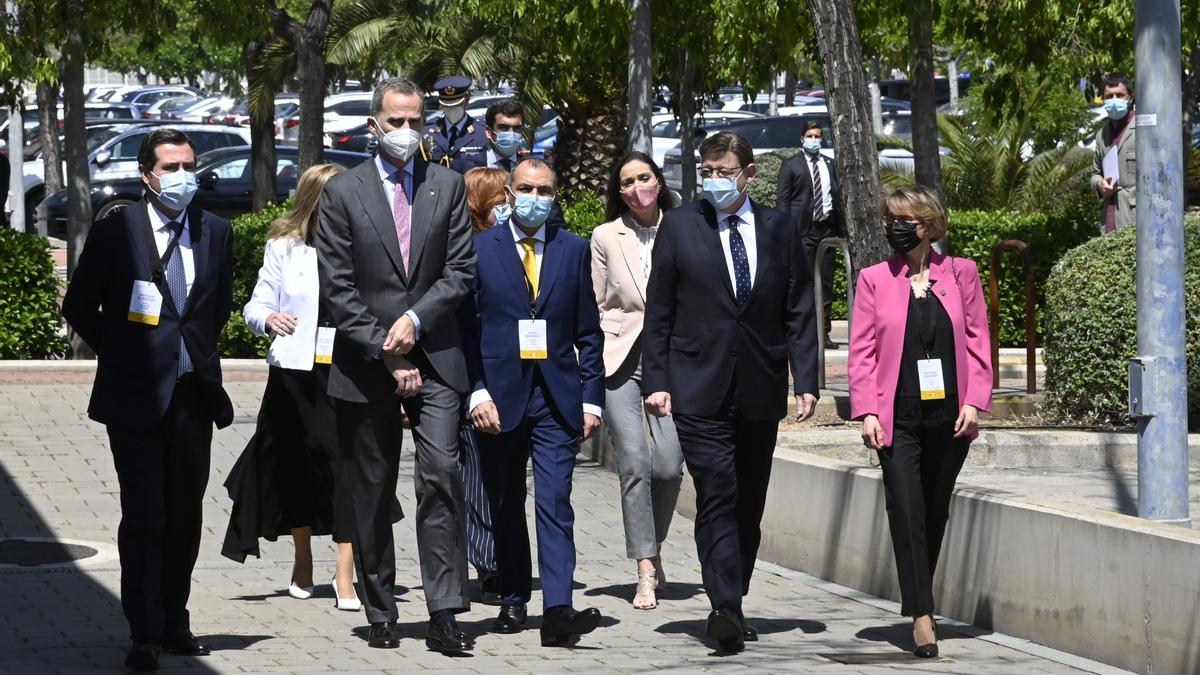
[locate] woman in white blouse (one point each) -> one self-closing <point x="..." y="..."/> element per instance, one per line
<point x="649" y="460"/>
<point x="283" y="483"/>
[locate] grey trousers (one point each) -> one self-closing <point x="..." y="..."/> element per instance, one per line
<point x="649" y="460"/>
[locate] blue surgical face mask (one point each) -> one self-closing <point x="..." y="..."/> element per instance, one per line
<point x="812" y="145"/>
<point x="1117" y="108"/>
<point x="502" y="213"/>
<point x="721" y="192"/>
<point x="508" y="142"/>
<point x="531" y="210"/>
<point x="176" y="189"/>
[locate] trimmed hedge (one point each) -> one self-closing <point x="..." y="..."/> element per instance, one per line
<point x="249" y="239"/>
<point x="583" y="213"/>
<point x="1091" y="328"/>
<point x="28" y="299"/>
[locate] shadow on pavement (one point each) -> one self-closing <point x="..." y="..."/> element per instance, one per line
<point x="674" y="591"/>
<point x="900" y="635"/>
<point x="695" y="627"/>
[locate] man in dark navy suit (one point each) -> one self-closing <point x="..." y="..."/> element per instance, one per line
<point x="505" y="130"/>
<point x="151" y="293"/>
<point x="534" y="354"/>
<point x="728" y="308"/>
<point x="455" y="136"/>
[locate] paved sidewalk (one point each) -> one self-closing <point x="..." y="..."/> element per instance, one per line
<point x="57" y="480"/>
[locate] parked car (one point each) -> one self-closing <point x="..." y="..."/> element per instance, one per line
<point x="203" y="111"/>
<point x="665" y="132"/>
<point x="144" y="97"/>
<point x="358" y="139"/>
<point x="346" y="111"/>
<point x="225" y="180"/>
<point x="160" y="108"/>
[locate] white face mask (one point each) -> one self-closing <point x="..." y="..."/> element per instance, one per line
<point x="454" y="113"/>
<point x="398" y="143"/>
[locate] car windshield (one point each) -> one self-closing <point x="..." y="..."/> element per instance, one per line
<point x="546" y="130"/>
<point x="99" y="136"/>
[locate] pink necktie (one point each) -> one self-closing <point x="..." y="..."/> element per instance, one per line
<point x="400" y="215"/>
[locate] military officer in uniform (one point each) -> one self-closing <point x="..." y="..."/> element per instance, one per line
<point x="455" y="137"/>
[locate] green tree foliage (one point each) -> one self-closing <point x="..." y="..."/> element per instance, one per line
<point x="28" y="298"/>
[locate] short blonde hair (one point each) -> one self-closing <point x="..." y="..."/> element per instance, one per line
<point x="921" y="203"/>
<point x="301" y="220"/>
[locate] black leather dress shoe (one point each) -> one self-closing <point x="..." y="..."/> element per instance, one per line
<point x="142" y="657"/>
<point x="489" y="587"/>
<point x="749" y="633"/>
<point x="511" y="619"/>
<point x="445" y="636"/>
<point x="383" y="636"/>
<point x="725" y="626"/>
<point x="560" y="623"/>
<point x="186" y="644"/>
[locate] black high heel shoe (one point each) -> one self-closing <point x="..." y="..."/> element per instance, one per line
<point x="929" y="651"/>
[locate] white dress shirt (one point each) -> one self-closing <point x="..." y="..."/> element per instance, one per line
<point x="539" y="246"/>
<point x="745" y="228"/>
<point x="388" y="178"/>
<point x="826" y="195"/>
<point x="287" y="282"/>
<point x="160" y="222"/>
<point x="645" y="237"/>
<point x="493" y="160"/>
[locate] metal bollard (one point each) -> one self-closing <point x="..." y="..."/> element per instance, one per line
<point x="826" y="244"/>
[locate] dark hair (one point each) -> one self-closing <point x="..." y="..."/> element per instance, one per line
<point x="509" y="107"/>
<point x="723" y="142"/>
<point x="147" y="157"/>
<point x="813" y="124"/>
<point x="617" y="206"/>
<point x="1114" y="80"/>
<point x="399" y="85"/>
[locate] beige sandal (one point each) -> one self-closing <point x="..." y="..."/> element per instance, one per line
<point x="644" y="598"/>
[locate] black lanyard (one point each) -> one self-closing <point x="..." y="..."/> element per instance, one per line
<point x="927" y="328"/>
<point x="153" y="261"/>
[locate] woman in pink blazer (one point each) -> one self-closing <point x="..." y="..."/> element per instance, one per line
<point x="920" y="373"/>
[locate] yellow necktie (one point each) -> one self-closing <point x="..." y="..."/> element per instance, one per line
<point x="530" y="263"/>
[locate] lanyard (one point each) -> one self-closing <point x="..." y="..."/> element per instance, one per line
<point x="927" y="328"/>
<point x="153" y="261"/>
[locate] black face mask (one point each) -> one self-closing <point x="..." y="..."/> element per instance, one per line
<point x="901" y="235"/>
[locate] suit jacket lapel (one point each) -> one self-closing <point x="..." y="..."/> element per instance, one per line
<point x="627" y="241"/>
<point x="551" y="261"/>
<point x="137" y="224"/>
<point x="708" y="232"/>
<point x="200" y="246"/>
<point x="946" y="289"/>
<point x="762" y="244"/>
<point x="424" y="203"/>
<point x="506" y="253"/>
<point x="374" y="201"/>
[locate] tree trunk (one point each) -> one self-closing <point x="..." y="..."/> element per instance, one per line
<point x="926" y="160"/>
<point x="52" y="168"/>
<point x="262" y="131"/>
<point x="789" y="84"/>
<point x="589" y="141"/>
<point x="78" y="178"/>
<point x="854" y="140"/>
<point x="687" y="124"/>
<point x="308" y="40"/>
<point x="640" y="76"/>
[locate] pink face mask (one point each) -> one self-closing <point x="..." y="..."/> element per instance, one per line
<point x="641" y="197"/>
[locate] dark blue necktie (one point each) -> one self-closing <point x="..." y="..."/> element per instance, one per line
<point x="741" y="264"/>
<point x="177" y="284"/>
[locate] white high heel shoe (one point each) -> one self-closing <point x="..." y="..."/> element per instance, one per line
<point x="346" y="604"/>
<point x="300" y="592"/>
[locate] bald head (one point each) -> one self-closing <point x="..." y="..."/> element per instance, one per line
<point x="532" y="176"/>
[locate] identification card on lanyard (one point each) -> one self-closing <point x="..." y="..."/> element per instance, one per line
<point x="145" y="304"/>
<point x="324" y="352"/>
<point x="533" y="340"/>
<point x="933" y="386"/>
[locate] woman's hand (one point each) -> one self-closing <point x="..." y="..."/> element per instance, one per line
<point x="281" y="323"/>
<point x="872" y="432"/>
<point x="967" y="422"/>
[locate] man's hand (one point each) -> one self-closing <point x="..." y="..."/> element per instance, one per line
<point x="281" y="323"/>
<point x="486" y="418"/>
<point x="967" y="422"/>
<point x="401" y="337"/>
<point x="872" y="432"/>
<point x="806" y="405"/>
<point x="590" y="424"/>
<point x="1105" y="187"/>
<point x="407" y="376"/>
<point x="659" y="403"/>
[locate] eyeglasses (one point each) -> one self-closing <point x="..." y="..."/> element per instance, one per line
<point x="892" y="221"/>
<point x="707" y="172"/>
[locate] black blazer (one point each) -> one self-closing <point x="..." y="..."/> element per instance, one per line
<point x="697" y="340"/>
<point x="794" y="191"/>
<point x="364" y="288"/>
<point x="135" y="372"/>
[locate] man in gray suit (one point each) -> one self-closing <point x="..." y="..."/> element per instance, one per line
<point x="396" y="260"/>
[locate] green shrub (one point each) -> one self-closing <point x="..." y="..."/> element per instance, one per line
<point x="583" y="213"/>
<point x="1091" y="328"/>
<point x="28" y="298"/>
<point x="249" y="239"/>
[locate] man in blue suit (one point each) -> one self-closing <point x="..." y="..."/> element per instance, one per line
<point x="533" y="309"/>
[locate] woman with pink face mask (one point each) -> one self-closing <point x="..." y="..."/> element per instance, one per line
<point x="649" y="460"/>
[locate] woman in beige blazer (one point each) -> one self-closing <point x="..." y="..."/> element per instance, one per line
<point x="649" y="460"/>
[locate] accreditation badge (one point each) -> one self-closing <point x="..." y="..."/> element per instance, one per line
<point x="324" y="352"/>
<point x="145" y="304"/>
<point x="532" y="333"/>
<point x="929" y="372"/>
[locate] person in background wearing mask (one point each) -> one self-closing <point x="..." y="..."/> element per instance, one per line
<point x="151" y="293"/>
<point x="729" y="307"/>
<point x="649" y="461"/>
<point x="534" y="351"/>
<point x="920" y="372"/>
<point x="1114" y="168"/>
<point x="808" y="191"/>
<point x="395" y="260"/>
<point x="505" y="132"/>
<point x="487" y="200"/>
<point x="455" y="139"/>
